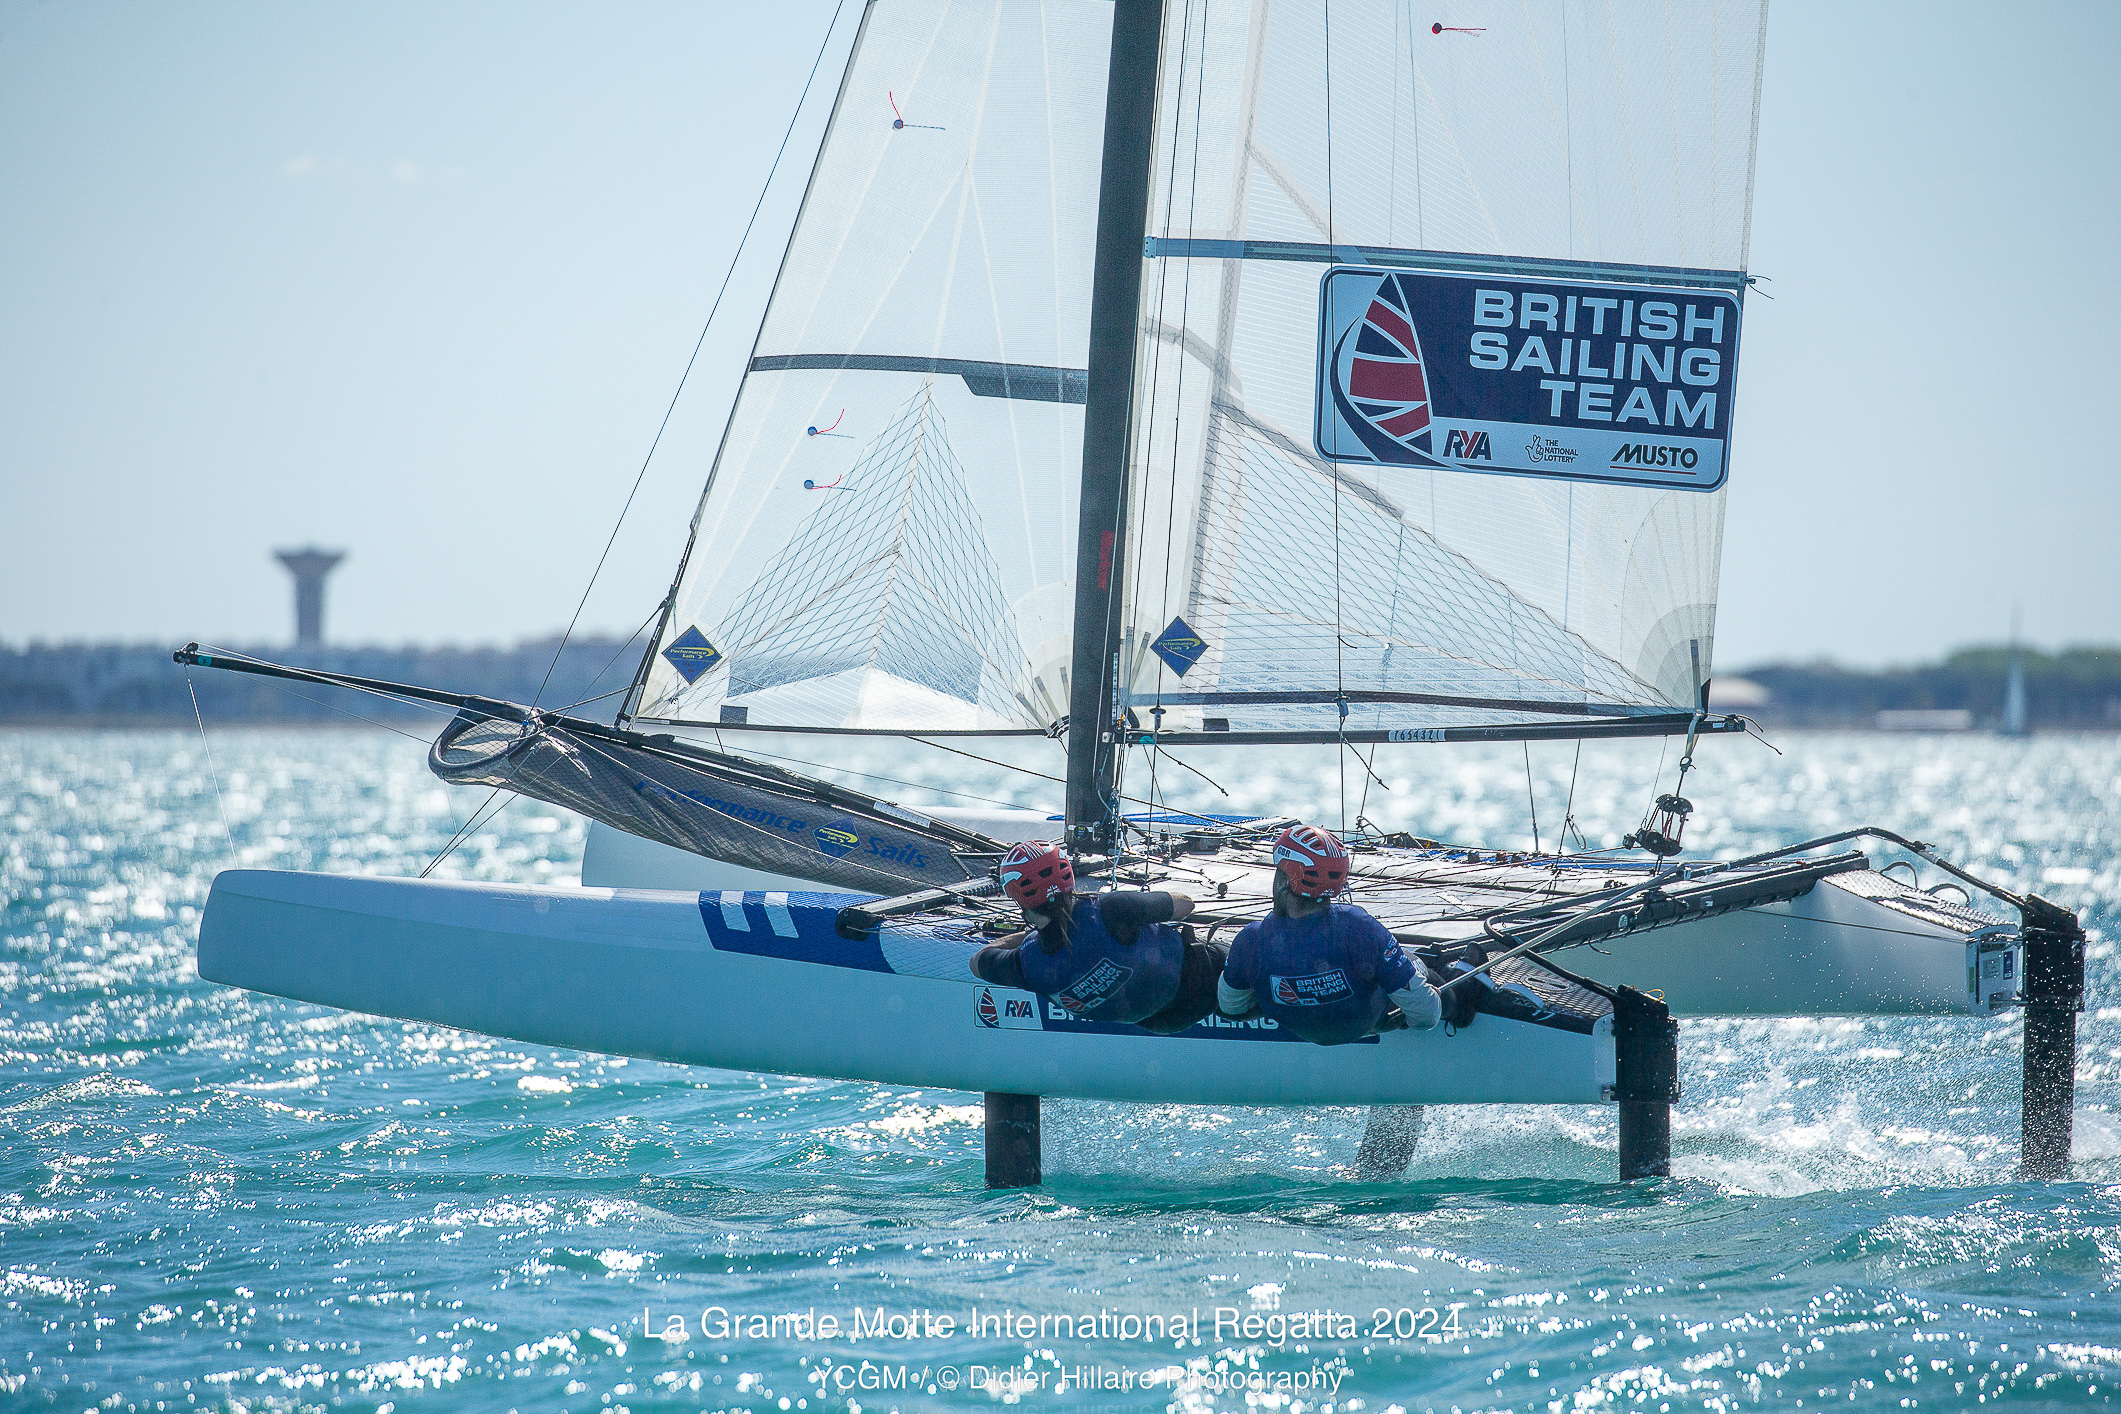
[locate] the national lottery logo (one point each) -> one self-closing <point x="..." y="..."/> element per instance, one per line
<point x="1377" y="380"/>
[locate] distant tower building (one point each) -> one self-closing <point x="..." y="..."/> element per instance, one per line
<point x="309" y="565"/>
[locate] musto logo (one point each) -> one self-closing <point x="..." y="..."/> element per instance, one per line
<point x="837" y="838"/>
<point x="1318" y="989"/>
<point x="1656" y="454"/>
<point x="1378" y="383"/>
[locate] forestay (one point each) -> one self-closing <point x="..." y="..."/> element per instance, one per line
<point x="1269" y="588"/>
<point x="887" y="538"/>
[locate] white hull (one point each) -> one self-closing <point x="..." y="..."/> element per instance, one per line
<point x="759" y="981"/>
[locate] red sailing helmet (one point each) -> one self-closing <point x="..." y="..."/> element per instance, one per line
<point x="1035" y="872"/>
<point x="1312" y="862"/>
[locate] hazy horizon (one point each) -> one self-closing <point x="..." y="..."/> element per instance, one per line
<point x="418" y="281"/>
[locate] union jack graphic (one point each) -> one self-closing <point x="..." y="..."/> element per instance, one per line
<point x="1378" y="383"/>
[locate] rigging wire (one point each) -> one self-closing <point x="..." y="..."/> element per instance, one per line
<point x="357" y="716"/>
<point x="1568" y="811"/>
<point x="1119" y="798"/>
<point x="1133" y="579"/>
<point x="887" y="780"/>
<point x="1174" y="760"/>
<point x="698" y="344"/>
<point x="1340" y="640"/>
<point x="212" y="773"/>
<point x="1531" y="799"/>
<point x="653" y="614"/>
<point x="468" y="829"/>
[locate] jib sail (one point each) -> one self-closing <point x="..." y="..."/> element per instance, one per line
<point x="887" y="538"/>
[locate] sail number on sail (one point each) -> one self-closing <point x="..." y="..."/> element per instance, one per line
<point x="1581" y="380"/>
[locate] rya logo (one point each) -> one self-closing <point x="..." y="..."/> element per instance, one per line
<point x="1467" y="445"/>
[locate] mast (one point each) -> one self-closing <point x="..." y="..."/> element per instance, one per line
<point x="1101" y="540"/>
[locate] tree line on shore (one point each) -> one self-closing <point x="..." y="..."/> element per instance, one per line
<point x="125" y="684"/>
<point x="2074" y="689"/>
<point x="137" y="684"/>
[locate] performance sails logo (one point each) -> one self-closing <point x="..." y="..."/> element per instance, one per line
<point x="837" y="839"/>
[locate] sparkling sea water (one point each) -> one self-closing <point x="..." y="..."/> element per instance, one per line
<point x="212" y="1199"/>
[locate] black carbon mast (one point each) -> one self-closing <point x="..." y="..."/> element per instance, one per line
<point x="1101" y="535"/>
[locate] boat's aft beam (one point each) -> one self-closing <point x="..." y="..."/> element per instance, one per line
<point x="2053" y="994"/>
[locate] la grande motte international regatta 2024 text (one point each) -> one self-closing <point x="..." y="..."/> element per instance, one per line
<point x="1190" y="1326"/>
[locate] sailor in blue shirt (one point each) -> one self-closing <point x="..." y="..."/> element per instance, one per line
<point x="1328" y="971"/>
<point x="1100" y="957"/>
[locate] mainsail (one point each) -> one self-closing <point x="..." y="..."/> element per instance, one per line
<point x="1271" y="590"/>
<point x="888" y="538"/>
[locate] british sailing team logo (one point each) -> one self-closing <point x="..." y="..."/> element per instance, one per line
<point x="1317" y="989"/>
<point x="1378" y="384"/>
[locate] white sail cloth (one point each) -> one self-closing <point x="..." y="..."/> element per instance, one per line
<point x="887" y="539"/>
<point x="1554" y="129"/>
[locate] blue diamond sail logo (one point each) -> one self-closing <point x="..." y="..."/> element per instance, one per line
<point x="837" y="839"/>
<point x="692" y="655"/>
<point x="1179" y="646"/>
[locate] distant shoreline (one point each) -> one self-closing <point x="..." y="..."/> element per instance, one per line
<point x="123" y="685"/>
<point x="119" y="687"/>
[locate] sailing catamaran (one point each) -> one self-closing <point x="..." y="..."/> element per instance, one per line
<point x="1358" y="379"/>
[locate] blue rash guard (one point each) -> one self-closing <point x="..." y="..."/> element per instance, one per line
<point x="1326" y="977"/>
<point x="1122" y="960"/>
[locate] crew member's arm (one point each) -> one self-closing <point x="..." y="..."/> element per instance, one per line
<point x="1233" y="990"/>
<point x="1127" y="911"/>
<point x="1406" y="984"/>
<point x="999" y="963"/>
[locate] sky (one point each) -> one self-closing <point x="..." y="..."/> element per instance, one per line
<point x="420" y="281"/>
